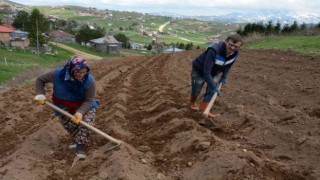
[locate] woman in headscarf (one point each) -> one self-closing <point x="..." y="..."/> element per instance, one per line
<point x="74" y="90"/>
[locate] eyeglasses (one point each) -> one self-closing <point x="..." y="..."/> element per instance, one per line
<point x="233" y="45"/>
<point x="82" y="73"/>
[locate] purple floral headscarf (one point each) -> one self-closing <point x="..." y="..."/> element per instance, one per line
<point x="74" y="64"/>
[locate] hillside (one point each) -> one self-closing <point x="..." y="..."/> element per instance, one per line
<point x="269" y="128"/>
<point x="143" y="28"/>
<point x="139" y="27"/>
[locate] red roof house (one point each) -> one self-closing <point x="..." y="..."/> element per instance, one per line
<point x="6" y="29"/>
<point x="5" y="34"/>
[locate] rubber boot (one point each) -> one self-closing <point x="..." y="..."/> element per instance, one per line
<point x="193" y="104"/>
<point x="80" y="151"/>
<point x="203" y="106"/>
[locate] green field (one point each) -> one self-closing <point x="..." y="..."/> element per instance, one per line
<point x="87" y="49"/>
<point x="181" y="30"/>
<point x="307" y="45"/>
<point x="15" y="61"/>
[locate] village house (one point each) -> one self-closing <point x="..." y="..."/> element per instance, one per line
<point x="107" y="44"/>
<point x="15" y="38"/>
<point x="136" y="46"/>
<point x="61" y="36"/>
<point x="19" y="39"/>
<point x="158" y="47"/>
<point x="172" y="50"/>
<point x="5" y="34"/>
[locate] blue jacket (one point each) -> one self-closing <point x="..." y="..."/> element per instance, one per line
<point x="71" y="91"/>
<point x="214" y="61"/>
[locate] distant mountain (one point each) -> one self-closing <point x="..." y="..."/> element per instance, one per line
<point x="10" y="2"/>
<point x="168" y="14"/>
<point x="257" y="16"/>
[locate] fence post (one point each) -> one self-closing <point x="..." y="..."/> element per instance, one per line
<point x="5" y="60"/>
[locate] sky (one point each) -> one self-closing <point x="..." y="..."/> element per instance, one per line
<point x="188" y="7"/>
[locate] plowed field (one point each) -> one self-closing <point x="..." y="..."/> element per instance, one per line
<point x="269" y="126"/>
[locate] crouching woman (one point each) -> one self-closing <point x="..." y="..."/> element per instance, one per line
<point x="74" y="90"/>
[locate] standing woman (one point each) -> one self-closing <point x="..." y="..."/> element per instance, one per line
<point x="74" y="90"/>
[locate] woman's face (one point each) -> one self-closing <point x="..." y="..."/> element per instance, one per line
<point x="79" y="74"/>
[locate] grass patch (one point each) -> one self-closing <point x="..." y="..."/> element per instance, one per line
<point x="87" y="49"/>
<point x="306" y="45"/>
<point x="136" y="51"/>
<point x="16" y="61"/>
<point x="140" y="39"/>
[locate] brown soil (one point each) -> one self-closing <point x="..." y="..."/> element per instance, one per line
<point x="269" y="128"/>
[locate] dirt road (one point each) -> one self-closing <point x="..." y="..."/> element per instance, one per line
<point x="163" y="26"/>
<point x="269" y="128"/>
<point x="78" y="53"/>
<point x="91" y="56"/>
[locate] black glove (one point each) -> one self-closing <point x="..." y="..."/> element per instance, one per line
<point x="223" y="80"/>
<point x="216" y="90"/>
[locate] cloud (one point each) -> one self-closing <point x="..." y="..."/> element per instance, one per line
<point x="242" y="4"/>
<point x="199" y="7"/>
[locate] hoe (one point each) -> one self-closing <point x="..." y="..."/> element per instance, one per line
<point x="117" y="142"/>
<point x="208" y="122"/>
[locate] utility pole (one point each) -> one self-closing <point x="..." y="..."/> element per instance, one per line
<point x="37" y="37"/>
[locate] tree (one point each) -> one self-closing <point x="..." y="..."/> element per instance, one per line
<point x="260" y="28"/>
<point x="21" y="20"/>
<point x="303" y="26"/>
<point x="181" y="46"/>
<point x="149" y="47"/>
<point x="269" y="28"/>
<point x="240" y="31"/>
<point x="294" y="26"/>
<point x="86" y="34"/>
<point x="277" y="28"/>
<point x="247" y="29"/>
<point x="189" y="46"/>
<point x="61" y="23"/>
<point x="124" y="39"/>
<point x="286" y="29"/>
<point x="43" y="25"/>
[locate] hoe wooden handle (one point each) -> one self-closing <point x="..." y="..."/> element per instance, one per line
<point x="206" y="112"/>
<point x="84" y="124"/>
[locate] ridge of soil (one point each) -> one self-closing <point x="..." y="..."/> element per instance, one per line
<point x="269" y="128"/>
